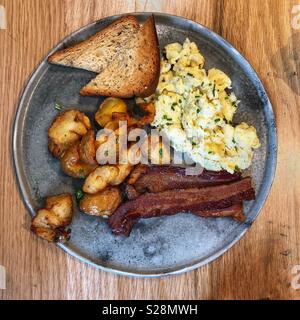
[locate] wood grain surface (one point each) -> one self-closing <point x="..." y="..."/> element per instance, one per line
<point x="260" y="265"/>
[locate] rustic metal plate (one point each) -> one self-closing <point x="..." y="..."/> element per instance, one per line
<point x="158" y="246"/>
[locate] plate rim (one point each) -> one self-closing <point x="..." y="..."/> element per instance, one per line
<point x="33" y="80"/>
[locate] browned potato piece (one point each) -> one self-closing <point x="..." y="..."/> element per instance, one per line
<point x="50" y="221"/>
<point x="103" y="137"/>
<point x="107" y="108"/>
<point x="121" y="116"/>
<point x="149" y="110"/>
<point x="112" y="125"/>
<point x="72" y="165"/>
<point x="158" y="152"/>
<point x="148" y="117"/>
<point x="87" y="148"/>
<point x="110" y="143"/>
<point x="100" y="178"/>
<point x="124" y="170"/>
<point x="67" y="128"/>
<point x="62" y="206"/>
<point x="104" y="176"/>
<point x="50" y="235"/>
<point x="102" y="204"/>
<point x="45" y="219"/>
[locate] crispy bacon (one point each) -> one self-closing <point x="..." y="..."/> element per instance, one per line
<point x="180" y="200"/>
<point x="161" y="178"/>
<point x="137" y="172"/>
<point x="235" y="211"/>
<point x="130" y="192"/>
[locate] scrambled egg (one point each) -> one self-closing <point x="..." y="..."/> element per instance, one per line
<point x="194" y="110"/>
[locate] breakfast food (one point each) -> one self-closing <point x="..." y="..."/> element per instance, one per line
<point x="156" y="179"/>
<point x="107" y="108"/>
<point x="180" y="200"/>
<point x="113" y="110"/>
<point x="235" y="212"/>
<point x="50" y="222"/>
<point x="87" y="148"/>
<point x="125" y="56"/>
<point x="96" y="52"/>
<point x="67" y="128"/>
<point x="148" y="110"/>
<point x="134" y="72"/>
<point x="194" y="109"/>
<point x="105" y="176"/>
<point x="101" y="204"/>
<point x="72" y="165"/>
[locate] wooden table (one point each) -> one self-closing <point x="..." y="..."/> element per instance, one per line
<point x="260" y="265"/>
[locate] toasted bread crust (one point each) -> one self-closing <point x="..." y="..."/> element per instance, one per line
<point x="145" y="79"/>
<point x="131" y="69"/>
<point x="153" y="77"/>
<point x="61" y="54"/>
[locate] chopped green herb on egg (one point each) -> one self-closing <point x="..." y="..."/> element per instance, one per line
<point x="208" y="94"/>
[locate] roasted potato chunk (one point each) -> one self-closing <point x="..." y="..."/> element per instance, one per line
<point x="87" y="148"/>
<point x="62" y="206"/>
<point x="102" y="204"/>
<point x="149" y="113"/>
<point x="111" y="142"/>
<point x="72" y="165"/>
<point x="107" y="108"/>
<point x="148" y="117"/>
<point x="45" y="219"/>
<point x="112" y="125"/>
<point x="156" y="151"/>
<point x="100" y="178"/>
<point x="104" y="176"/>
<point x="66" y="129"/>
<point x="51" y="235"/>
<point x="50" y="222"/>
<point x="123" y="172"/>
<point x="122" y="116"/>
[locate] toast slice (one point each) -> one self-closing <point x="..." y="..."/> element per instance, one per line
<point x="99" y="50"/>
<point x="135" y="71"/>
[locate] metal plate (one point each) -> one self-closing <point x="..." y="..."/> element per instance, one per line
<point x="157" y="246"/>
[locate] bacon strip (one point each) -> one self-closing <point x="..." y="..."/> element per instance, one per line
<point x="156" y="179"/>
<point x="235" y="211"/>
<point x="180" y="200"/>
<point x="130" y="192"/>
